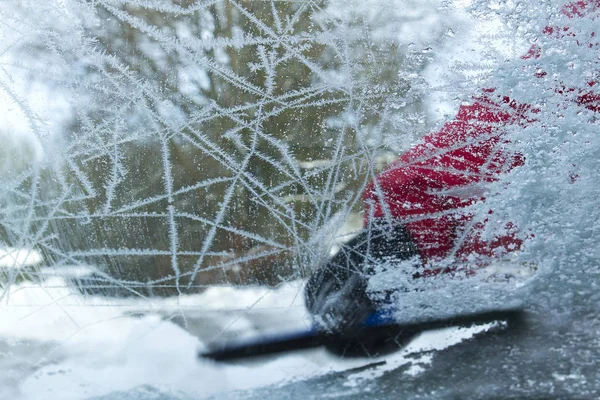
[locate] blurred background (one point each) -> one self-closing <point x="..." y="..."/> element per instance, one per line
<point x="171" y="146"/>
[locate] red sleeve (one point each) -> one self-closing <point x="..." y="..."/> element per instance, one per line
<point x="428" y="186"/>
<point x="430" y="182"/>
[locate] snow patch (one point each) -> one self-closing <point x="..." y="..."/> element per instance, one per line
<point x="17" y="258"/>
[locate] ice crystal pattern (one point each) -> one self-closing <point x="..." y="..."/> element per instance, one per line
<point x="202" y="142"/>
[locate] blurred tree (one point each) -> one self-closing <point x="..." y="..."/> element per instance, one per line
<point x="212" y="140"/>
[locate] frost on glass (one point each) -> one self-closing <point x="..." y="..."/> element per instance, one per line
<point x="201" y="143"/>
<point x="194" y="160"/>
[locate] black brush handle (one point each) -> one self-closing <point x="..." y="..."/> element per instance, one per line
<point x="311" y="339"/>
<point x="267" y="345"/>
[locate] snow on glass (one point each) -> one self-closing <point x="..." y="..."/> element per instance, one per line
<point x="182" y="159"/>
